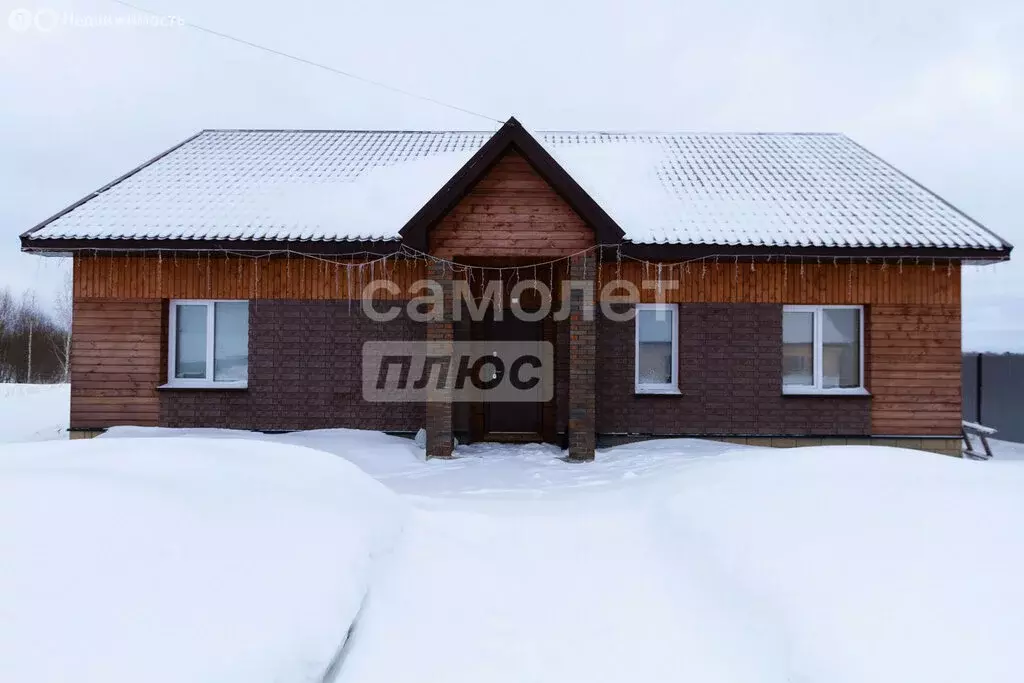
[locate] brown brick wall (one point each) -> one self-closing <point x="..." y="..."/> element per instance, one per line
<point x="441" y="334"/>
<point x="562" y="378"/>
<point x="582" y="361"/>
<point x="304" y="373"/>
<point x="512" y="212"/>
<point x="730" y="376"/>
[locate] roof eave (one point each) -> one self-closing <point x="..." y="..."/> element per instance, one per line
<point x="112" y="183"/>
<point x="649" y="252"/>
<point x="68" y="246"/>
<point x="664" y="252"/>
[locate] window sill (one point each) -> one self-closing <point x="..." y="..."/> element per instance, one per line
<point x="810" y="391"/>
<point x="657" y="391"/>
<point x="204" y="386"/>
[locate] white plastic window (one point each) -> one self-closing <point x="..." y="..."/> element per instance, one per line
<point x="657" y="352"/>
<point x="209" y="343"/>
<point x="823" y="349"/>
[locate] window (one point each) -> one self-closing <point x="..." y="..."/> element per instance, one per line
<point x="823" y="350"/>
<point x="657" y="355"/>
<point x="209" y="344"/>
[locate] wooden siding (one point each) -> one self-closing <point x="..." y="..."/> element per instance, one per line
<point x="512" y="212"/>
<point x="913" y="369"/>
<point x="234" y="277"/>
<point x="791" y="283"/>
<point x="118" y="358"/>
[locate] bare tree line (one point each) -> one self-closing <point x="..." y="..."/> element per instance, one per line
<point x="35" y="346"/>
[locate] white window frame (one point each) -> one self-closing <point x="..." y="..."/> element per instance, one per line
<point x="172" y="343"/>
<point x="673" y="386"/>
<point x="817" y="388"/>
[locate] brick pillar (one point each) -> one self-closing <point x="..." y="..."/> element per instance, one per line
<point x="440" y="335"/>
<point x="582" y="361"/>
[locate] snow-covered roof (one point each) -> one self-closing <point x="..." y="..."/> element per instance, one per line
<point x="758" y="189"/>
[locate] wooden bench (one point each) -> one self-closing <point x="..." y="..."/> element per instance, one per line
<point x="969" y="429"/>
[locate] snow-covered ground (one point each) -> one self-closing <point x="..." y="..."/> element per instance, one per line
<point x="1004" y="450"/>
<point x="666" y="560"/>
<point x="34" y="412"/>
<point x="706" y="560"/>
<point x="171" y="560"/>
<point x="869" y="564"/>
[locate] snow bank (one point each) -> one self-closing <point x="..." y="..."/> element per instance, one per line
<point x="382" y="456"/>
<point x="34" y="412"/>
<point x="183" y="559"/>
<point x="875" y="564"/>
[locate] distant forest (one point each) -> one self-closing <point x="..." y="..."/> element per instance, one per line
<point x="34" y="345"/>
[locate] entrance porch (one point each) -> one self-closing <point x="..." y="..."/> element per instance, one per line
<point x="567" y="418"/>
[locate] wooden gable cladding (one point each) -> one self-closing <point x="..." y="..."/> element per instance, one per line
<point x="913" y="369"/>
<point x="234" y="277"/>
<point x="790" y="283"/>
<point x="118" y="358"/>
<point x="511" y="212"/>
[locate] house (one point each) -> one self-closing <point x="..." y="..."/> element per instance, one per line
<point x="781" y="289"/>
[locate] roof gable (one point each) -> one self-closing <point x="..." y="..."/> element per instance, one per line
<point x="513" y="213"/>
<point x="510" y="137"/>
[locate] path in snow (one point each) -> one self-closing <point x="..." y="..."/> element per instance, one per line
<point x="576" y="588"/>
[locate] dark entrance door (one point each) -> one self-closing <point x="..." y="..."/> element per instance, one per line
<point x="520" y="421"/>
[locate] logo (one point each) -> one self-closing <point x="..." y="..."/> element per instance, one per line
<point x="45" y="20"/>
<point x="446" y="371"/>
<point x="20" y="19"/>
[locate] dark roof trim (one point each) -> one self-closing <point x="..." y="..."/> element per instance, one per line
<point x="106" y="187"/>
<point x="511" y="136"/>
<point x="64" y="247"/>
<point x="682" y="252"/>
<point x="647" y="252"/>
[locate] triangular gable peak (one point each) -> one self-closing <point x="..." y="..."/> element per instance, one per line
<point x="511" y="212"/>
<point x="510" y="150"/>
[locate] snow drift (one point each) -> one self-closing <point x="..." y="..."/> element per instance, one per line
<point x="873" y="564"/>
<point x="183" y="559"/>
<point x="34" y="412"/>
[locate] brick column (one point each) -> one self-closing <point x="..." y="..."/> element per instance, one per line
<point x="582" y="361"/>
<point x="440" y="335"/>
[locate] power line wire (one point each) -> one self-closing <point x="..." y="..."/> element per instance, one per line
<point x="309" y="62"/>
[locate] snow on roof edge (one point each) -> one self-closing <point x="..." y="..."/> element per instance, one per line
<point x="1005" y="243"/>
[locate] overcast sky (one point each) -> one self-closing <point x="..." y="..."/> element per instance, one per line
<point x="935" y="87"/>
